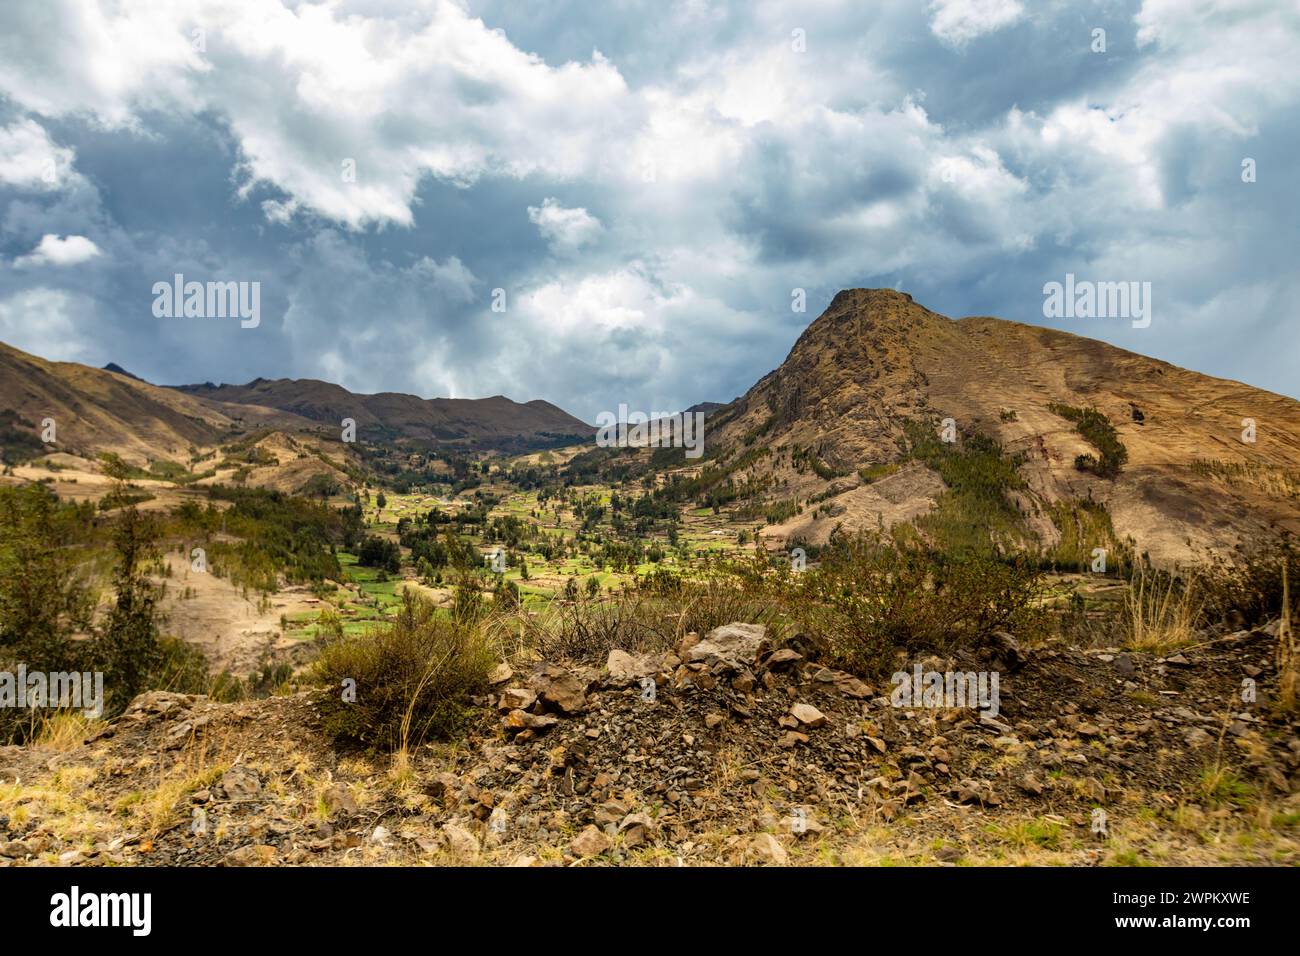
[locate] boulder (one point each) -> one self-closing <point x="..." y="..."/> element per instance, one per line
<point x="732" y="646"/>
<point x="625" y="668"/>
<point x="765" y="848"/>
<point x="241" y="784"/>
<point x="808" y="715"/>
<point x="560" y="689"/>
<point x="517" y="698"/>
<point x="522" y="720"/>
<point x="590" y="842"/>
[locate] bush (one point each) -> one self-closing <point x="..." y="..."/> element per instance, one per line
<point x="869" y="598"/>
<point x="1246" y="590"/>
<point x="377" y="552"/>
<point x="1100" y="433"/>
<point x="589" y="630"/>
<point x="413" y="678"/>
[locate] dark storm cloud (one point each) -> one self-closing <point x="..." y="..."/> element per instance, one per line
<point x="646" y="183"/>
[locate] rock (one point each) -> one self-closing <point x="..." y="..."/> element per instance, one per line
<point x="15" y="849"/>
<point x="783" y="658"/>
<point x="624" y="668"/>
<point x="241" y="784"/>
<point x="732" y="646"/>
<point x="380" y="836"/>
<point x="1089" y="730"/>
<point x="1178" y="660"/>
<point x="637" y="828"/>
<point x="1124" y="666"/>
<point x="254" y="854"/>
<point x="1031" y="784"/>
<point x="459" y="840"/>
<point x="560" y="689"/>
<point x="792" y="738"/>
<point x="338" y="800"/>
<point x="1093" y="789"/>
<point x="442" y="785"/>
<point x="976" y="791"/>
<point x="159" y="702"/>
<point x="850" y="686"/>
<point x="765" y="848"/>
<point x="1196" y="737"/>
<point x="590" y="842"/>
<point x="500" y="674"/>
<point x="1006" y="650"/>
<point x="612" y="812"/>
<point x="522" y="720"/>
<point x="516" y="698"/>
<point x="808" y="715"/>
<point x="178" y="735"/>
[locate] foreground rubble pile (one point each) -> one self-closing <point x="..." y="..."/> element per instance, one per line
<point x="723" y="750"/>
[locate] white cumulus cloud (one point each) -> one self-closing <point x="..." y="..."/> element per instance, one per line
<point x="957" y="22"/>
<point x="565" y="229"/>
<point x="55" y="251"/>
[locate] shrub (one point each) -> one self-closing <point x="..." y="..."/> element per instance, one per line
<point x="1246" y="589"/>
<point x="413" y="678"/>
<point x="1100" y="433"/>
<point x="377" y="552"/>
<point x="869" y="598"/>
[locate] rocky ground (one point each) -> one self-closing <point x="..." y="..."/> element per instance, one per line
<point x="724" y="751"/>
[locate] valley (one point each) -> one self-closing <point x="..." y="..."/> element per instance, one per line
<point x="474" y="635"/>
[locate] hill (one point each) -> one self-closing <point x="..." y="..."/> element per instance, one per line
<point x="840" y="415"/>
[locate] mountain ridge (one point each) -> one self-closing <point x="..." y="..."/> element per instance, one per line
<point x="875" y="360"/>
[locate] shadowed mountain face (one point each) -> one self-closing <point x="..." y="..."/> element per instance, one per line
<point x="496" y="422"/>
<point x="98" y="410"/>
<point x="110" y="409"/>
<point x="875" y="360"/>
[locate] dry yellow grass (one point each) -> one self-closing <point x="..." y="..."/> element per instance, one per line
<point x="1162" y="611"/>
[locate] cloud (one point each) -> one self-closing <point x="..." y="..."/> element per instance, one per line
<point x="646" y="184"/>
<point x="44" y="322"/>
<point x="565" y="229"/>
<point x="54" y="251"/>
<point x="957" y="22"/>
<point x="344" y="112"/>
<point x="29" y="159"/>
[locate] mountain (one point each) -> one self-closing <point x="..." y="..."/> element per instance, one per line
<point x="489" y="423"/>
<point x="875" y="360"/>
<point x="114" y="367"/>
<point x="708" y="408"/>
<point x="98" y="410"/>
<point x="109" y="409"/>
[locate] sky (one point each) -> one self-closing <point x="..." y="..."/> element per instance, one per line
<point x="626" y="202"/>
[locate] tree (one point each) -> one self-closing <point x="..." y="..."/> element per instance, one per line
<point x="43" y="597"/>
<point x="128" y="644"/>
<point x="377" y="552"/>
